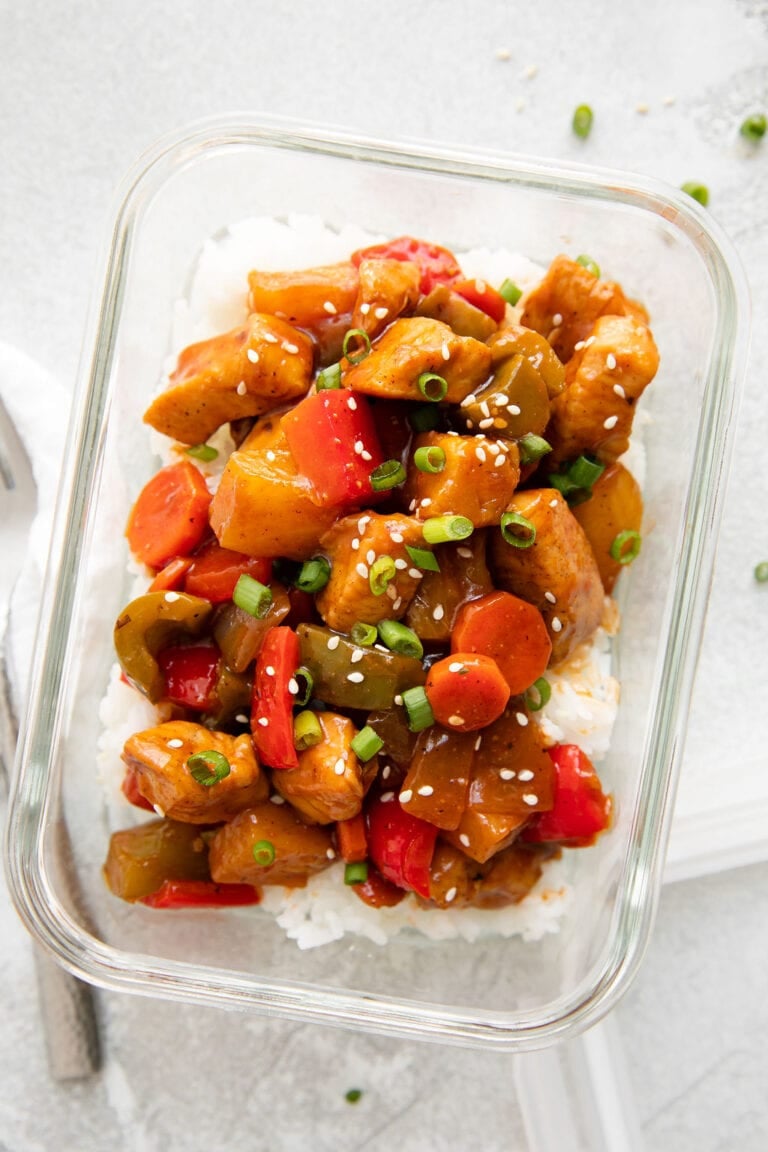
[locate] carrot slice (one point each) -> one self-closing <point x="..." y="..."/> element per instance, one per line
<point x="509" y="630"/>
<point x="466" y="691"/>
<point x="352" y="840"/>
<point x="215" y="571"/>
<point x="171" y="578"/>
<point x="170" y="516"/>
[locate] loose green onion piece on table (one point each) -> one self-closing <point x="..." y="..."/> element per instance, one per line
<point x="626" y="546"/>
<point x="444" y="529"/>
<point x="754" y="127"/>
<point x="329" y="378"/>
<point x="419" y="710"/>
<point x="306" y="731"/>
<point x="387" y="475"/>
<point x="761" y="572"/>
<point x="366" y="744"/>
<point x="424" y="418"/>
<point x="314" y="574"/>
<point x="699" y="192"/>
<point x="355" y="874"/>
<point x="429" y="459"/>
<point x="264" y="852"/>
<point x="585" y="471"/>
<point x="362" y="633"/>
<point x="353" y="1096"/>
<point x="590" y="265"/>
<point x="423" y="558"/>
<point x="353" y="336"/>
<point x="538" y="694"/>
<point x="516" y="530"/>
<point x="252" y="596"/>
<point x="309" y="683"/>
<point x="532" y="447"/>
<point x="582" y="121"/>
<point x="202" y="452"/>
<point x="399" y="638"/>
<point x="382" y="571"/>
<point x="432" y="386"/>
<point x="510" y="291"/>
<point x="208" y="767"/>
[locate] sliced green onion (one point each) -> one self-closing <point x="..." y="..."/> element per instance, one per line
<point x="329" y="378"/>
<point x="399" y="638"/>
<point x="590" y="265"/>
<point x="202" y="452"/>
<point x="387" y="475"/>
<point x="252" y="596"/>
<point x="356" y="334"/>
<point x="423" y="558"/>
<point x="443" y="529"/>
<point x="761" y="572"/>
<point x="699" y="192"/>
<point x="382" y="571"/>
<point x="420" y="714"/>
<point x="306" y="731"/>
<point x="264" y="852"/>
<point x="432" y="386"/>
<point x="510" y="291"/>
<point x="563" y="483"/>
<point x="353" y="1096"/>
<point x="626" y="546"/>
<point x="304" y="674"/>
<point x="516" y="530"/>
<point x="431" y="459"/>
<point x="532" y="448"/>
<point x="366" y="744"/>
<point x="314" y="574"/>
<point x="585" y="471"/>
<point x="355" y="874"/>
<point x="754" y="127"/>
<point x="208" y="767"/>
<point x="424" y="418"/>
<point x="538" y="694"/>
<point x="582" y="121"/>
<point x="363" y="633"/>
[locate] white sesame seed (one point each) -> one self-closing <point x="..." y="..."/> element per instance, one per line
<point x="514" y="409"/>
<point x="354" y="544"/>
<point x="365" y="309"/>
<point x="158" y="809"/>
<point x="252" y="355"/>
<point x="396" y="537"/>
<point x="412" y="506"/>
<point x="522" y="719"/>
<point x="171" y="597"/>
<point x="450" y="895"/>
<point x="263" y="722"/>
<point x="471" y="399"/>
<point x="578" y="346"/>
<point x="386" y="772"/>
<point x="610" y="422"/>
<point x="329" y="852"/>
<point x="557" y="319"/>
<point x="175" y="743"/>
<point x="465" y="553"/>
<point x="362" y="571"/>
<point x="470" y="424"/>
<point x="525" y="774"/>
<point x="270" y="338"/>
<point x="370" y="555"/>
<point x="278" y="800"/>
<point x="450" y="432"/>
<point x="556" y="624"/>
<point x="365" y="455"/>
<point x="333" y="642"/>
<point x="386" y="797"/>
<point x="398" y="700"/>
<point x="446" y="351"/>
<point x="381" y="312"/>
<point x="397" y="604"/>
<point x="620" y="391"/>
<point x="329" y="307"/>
<point x="493" y="449"/>
<point x="478" y="742"/>
<point x="271" y="456"/>
<point x="362" y="523"/>
<point x="358" y="447"/>
<point x="356" y="656"/>
<point x="293" y="686"/>
<point x="269" y="670"/>
<point x="589" y="341"/>
<point x="401" y="564"/>
<point x="480" y="453"/>
<point x="610" y="361"/>
<point x="425" y="503"/>
<point x="352" y="404"/>
<point x="339" y="766"/>
<point x="553" y="503"/>
<point x="242" y="388"/>
<point x="406" y="796"/>
<point x="355" y="677"/>
<point x="391" y="591"/>
<point x="456" y="666"/>
<point x="530" y="799"/>
<point x="464" y="839"/>
<point x="487" y="423"/>
<point x="291" y="349"/>
<point x="500" y="400"/>
<point x="426" y="790"/>
<point x="456" y="721"/>
<point x="241" y="718"/>
<point x="507" y="774"/>
<point x="551" y="597"/>
<point x="438" y="612"/>
<point x="484" y="408"/>
<point x="415" y="573"/>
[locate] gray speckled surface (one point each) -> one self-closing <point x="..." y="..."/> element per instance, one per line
<point x="83" y="88"/>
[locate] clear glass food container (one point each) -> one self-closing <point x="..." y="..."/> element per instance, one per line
<point x="500" y="993"/>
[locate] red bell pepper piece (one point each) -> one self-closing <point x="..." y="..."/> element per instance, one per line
<point x="216" y="570"/>
<point x="332" y="438"/>
<point x="200" y="894"/>
<point x="378" y="892"/>
<point x="401" y="845"/>
<point x="171" y="578"/>
<point x="272" y="708"/>
<point x="438" y="265"/>
<point x="170" y="517"/>
<point x="130" y="789"/>
<point x="581" y="810"/>
<point x="190" y="675"/>
<point x="484" y="297"/>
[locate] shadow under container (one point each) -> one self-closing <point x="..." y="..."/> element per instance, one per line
<point x="497" y="993"/>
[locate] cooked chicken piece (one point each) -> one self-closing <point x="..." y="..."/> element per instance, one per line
<point x="245" y="372"/>
<point x="480" y="835"/>
<point x="353" y="546"/>
<point x="566" y="304"/>
<point x="387" y="289"/>
<point x="328" y="783"/>
<point x="511" y="875"/>
<point x="159" y="758"/>
<point x="306" y="297"/>
<point x="453" y="877"/>
<point x="615" y="506"/>
<point x="262" y="506"/>
<point x="557" y="573"/>
<point x="413" y="346"/>
<point x="604" y="380"/>
<point x="477" y="481"/>
<point x="299" y="850"/>
<point x="463" y="576"/>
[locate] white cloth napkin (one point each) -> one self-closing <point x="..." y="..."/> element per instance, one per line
<point x="39" y="407"/>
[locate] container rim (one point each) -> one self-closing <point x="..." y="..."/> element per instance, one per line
<point x="32" y="804"/>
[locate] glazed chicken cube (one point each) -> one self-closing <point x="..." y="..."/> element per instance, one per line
<point x="291" y="850"/>
<point x="328" y="783"/>
<point x="477" y="481"/>
<point x="387" y="289"/>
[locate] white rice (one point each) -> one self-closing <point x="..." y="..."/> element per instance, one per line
<point x="584" y="699"/>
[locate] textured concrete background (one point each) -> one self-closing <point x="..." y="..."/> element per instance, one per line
<point x="84" y="87"/>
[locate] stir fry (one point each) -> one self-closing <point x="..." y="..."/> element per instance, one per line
<point x="348" y="641"/>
